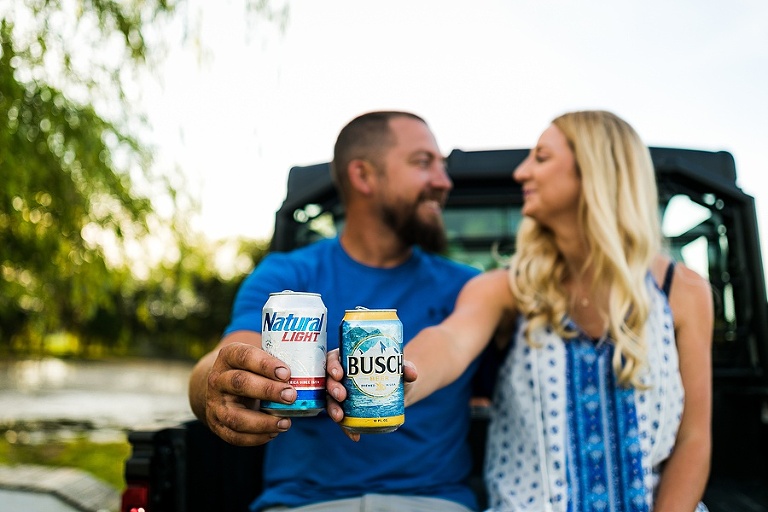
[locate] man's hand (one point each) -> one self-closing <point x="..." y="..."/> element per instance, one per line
<point x="242" y="375"/>
<point x="337" y="393"/>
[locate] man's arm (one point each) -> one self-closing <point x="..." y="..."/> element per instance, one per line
<point x="227" y="384"/>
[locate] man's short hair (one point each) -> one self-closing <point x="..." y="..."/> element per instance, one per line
<point x="366" y="137"/>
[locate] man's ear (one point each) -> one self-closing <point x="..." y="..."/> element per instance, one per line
<point x="361" y="176"/>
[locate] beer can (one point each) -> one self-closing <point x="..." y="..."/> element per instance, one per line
<point x="371" y="351"/>
<point x="294" y="330"/>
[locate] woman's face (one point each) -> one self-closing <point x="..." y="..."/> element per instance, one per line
<point x="551" y="185"/>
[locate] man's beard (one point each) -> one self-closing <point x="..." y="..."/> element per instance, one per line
<point x="411" y="230"/>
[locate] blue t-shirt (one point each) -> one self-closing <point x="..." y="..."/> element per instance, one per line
<point x="314" y="461"/>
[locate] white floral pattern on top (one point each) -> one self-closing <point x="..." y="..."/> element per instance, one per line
<point x="536" y="462"/>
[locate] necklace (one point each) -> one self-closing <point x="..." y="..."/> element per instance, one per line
<point x="580" y="296"/>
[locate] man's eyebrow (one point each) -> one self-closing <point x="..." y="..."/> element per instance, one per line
<point x="428" y="153"/>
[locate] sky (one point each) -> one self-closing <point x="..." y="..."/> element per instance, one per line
<point x="235" y="116"/>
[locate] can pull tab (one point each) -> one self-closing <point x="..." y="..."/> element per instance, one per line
<point x="361" y="308"/>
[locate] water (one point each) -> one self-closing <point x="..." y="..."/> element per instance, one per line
<point x="53" y="398"/>
<point x="39" y="502"/>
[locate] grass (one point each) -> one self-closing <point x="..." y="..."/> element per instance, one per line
<point x="104" y="460"/>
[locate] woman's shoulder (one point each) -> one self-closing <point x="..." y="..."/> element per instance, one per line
<point x="491" y="284"/>
<point x="688" y="292"/>
<point x="498" y="277"/>
<point x="676" y="274"/>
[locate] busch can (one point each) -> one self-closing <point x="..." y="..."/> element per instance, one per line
<point x="293" y="328"/>
<point x="371" y="351"/>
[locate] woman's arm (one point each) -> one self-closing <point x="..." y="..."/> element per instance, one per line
<point x="438" y="355"/>
<point x="685" y="473"/>
<point x="441" y="353"/>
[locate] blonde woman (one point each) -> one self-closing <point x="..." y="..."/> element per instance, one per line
<point x="604" y="400"/>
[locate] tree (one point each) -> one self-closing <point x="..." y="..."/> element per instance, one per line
<point x="62" y="189"/>
<point x="71" y="166"/>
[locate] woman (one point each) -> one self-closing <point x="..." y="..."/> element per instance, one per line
<point x="588" y="412"/>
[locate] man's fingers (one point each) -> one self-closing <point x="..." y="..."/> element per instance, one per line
<point x="245" y="384"/>
<point x="246" y="371"/>
<point x="334" y="410"/>
<point x="241" y="376"/>
<point x="410" y="373"/>
<point x="333" y="365"/>
<point x="352" y="435"/>
<point x="244" y="427"/>
<point x="336" y="390"/>
<point x="335" y="372"/>
<point x="247" y="357"/>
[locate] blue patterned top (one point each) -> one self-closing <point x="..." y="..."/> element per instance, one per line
<point x="565" y="437"/>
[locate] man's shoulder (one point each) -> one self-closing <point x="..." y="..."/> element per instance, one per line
<point x="294" y="266"/>
<point x="315" y="249"/>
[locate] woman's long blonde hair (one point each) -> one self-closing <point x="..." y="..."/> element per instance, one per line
<point x="618" y="211"/>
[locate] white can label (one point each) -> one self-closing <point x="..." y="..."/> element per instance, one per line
<point x="298" y="338"/>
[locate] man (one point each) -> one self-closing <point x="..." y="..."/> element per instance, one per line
<point x="392" y="180"/>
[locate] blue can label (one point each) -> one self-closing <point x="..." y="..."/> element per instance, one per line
<point x="372" y="358"/>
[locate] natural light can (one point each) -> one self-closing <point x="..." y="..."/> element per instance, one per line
<point x="294" y="330"/>
<point x="371" y="351"/>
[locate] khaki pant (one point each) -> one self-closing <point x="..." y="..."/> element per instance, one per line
<point x="379" y="503"/>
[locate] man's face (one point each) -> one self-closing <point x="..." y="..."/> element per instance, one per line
<point x="415" y="186"/>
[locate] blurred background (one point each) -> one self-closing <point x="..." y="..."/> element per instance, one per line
<point x="145" y="145"/>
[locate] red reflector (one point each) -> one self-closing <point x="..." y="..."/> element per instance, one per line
<point x="135" y="498"/>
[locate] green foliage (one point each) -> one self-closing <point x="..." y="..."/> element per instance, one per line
<point x="180" y="310"/>
<point x="103" y="460"/>
<point x="59" y="183"/>
<point x="72" y="173"/>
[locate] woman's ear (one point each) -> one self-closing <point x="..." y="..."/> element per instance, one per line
<point x="361" y="176"/>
